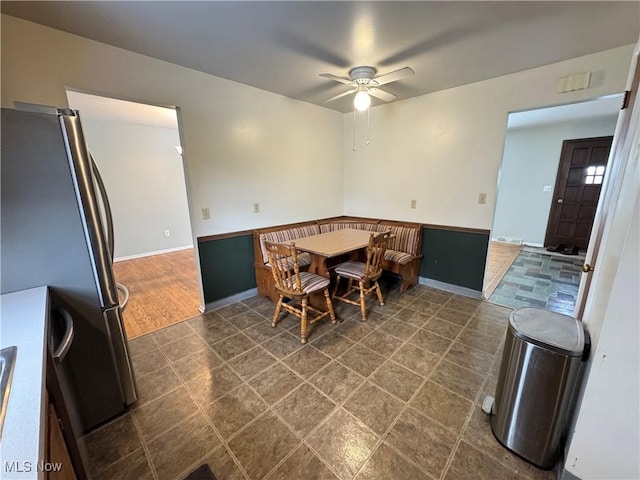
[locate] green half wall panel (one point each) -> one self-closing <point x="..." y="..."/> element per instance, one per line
<point x="454" y="257"/>
<point x="450" y="256"/>
<point x="226" y="266"/>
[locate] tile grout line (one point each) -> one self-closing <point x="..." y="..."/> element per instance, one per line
<point x="270" y="407"/>
<point x="142" y="438"/>
<point x="213" y="427"/>
<point x="397" y="417"/>
<point x="337" y="407"/>
<point x="145" y="448"/>
<point x="307" y="381"/>
<point x="407" y="404"/>
<point x="201" y="410"/>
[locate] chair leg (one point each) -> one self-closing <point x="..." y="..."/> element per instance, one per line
<point x="327" y="298"/>
<point x="335" y="288"/>
<point x="363" y="305"/>
<point x="303" y="322"/>
<point x="379" y="294"/>
<point x="276" y="314"/>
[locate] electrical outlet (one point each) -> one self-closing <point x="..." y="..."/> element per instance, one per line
<point x="482" y="198"/>
<point x="206" y="215"/>
<point x="167" y="233"/>
<point x="256" y="207"/>
<point x="413" y="203"/>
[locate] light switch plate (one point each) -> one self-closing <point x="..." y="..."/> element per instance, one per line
<point x="413" y="203"/>
<point x="482" y="198"/>
<point x="206" y="215"/>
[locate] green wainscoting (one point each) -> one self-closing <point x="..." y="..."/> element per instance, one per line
<point x="457" y="257"/>
<point x="226" y="265"/>
<point x="453" y="256"/>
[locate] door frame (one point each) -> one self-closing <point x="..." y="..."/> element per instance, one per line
<point x="499" y="180"/>
<point x="612" y="213"/>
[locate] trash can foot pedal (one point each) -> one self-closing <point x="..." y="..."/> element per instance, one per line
<point x="487" y="404"/>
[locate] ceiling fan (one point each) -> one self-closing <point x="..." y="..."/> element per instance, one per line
<point x="366" y="84"/>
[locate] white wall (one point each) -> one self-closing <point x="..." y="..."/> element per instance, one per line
<point x="606" y="439"/>
<point x="531" y="157"/>
<point x="144" y="177"/>
<point x="444" y="148"/>
<point x="242" y="145"/>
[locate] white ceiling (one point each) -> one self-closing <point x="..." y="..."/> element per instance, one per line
<point x="281" y="47"/>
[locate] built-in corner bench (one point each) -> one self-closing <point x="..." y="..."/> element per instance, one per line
<point x="402" y="256"/>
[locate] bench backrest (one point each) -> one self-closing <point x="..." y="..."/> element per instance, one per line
<point x="286" y="235"/>
<point x="333" y="226"/>
<point x="404" y="239"/>
<point x="406" y="236"/>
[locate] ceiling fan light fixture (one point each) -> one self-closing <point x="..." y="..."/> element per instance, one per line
<point x="362" y="100"/>
<point x="365" y="84"/>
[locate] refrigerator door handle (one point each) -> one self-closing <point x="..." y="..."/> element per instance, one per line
<point x="67" y="338"/>
<point x="105" y="203"/>
<point x="125" y="293"/>
<point x="109" y="225"/>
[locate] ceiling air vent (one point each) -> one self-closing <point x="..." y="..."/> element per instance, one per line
<point x="571" y="83"/>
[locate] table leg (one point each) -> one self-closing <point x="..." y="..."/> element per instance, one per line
<point x="319" y="265"/>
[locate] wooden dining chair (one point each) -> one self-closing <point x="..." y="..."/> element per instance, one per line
<point x="296" y="286"/>
<point x="363" y="276"/>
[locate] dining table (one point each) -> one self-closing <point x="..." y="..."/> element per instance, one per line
<point x="326" y="246"/>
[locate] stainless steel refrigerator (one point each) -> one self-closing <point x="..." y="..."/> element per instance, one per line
<point x="55" y="221"/>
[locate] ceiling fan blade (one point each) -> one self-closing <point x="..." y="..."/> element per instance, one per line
<point x="340" y="95"/>
<point x="381" y="94"/>
<point x="395" y="75"/>
<point x="330" y="76"/>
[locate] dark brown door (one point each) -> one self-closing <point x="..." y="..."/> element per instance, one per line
<point x="582" y="166"/>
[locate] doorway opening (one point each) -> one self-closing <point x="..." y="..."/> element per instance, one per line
<point x="523" y="269"/>
<point x="138" y="151"/>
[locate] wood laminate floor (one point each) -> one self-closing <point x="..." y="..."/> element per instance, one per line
<point x="499" y="259"/>
<point x="163" y="290"/>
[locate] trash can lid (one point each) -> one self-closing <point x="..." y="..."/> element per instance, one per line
<point x="550" y="330"/>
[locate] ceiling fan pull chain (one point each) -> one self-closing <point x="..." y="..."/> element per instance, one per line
<point x="368" y="124"/>
<point x="354" y="130"/>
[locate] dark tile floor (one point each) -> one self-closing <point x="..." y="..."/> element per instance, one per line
<point x="548" y="281"/>
<point x="396" y="397"/>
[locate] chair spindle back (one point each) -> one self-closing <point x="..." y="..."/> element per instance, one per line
<point x="375" y="253"/>
<point x="284" y="266"/>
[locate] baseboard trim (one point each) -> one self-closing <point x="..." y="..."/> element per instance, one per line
<point x="448" y="287"/>
<point x="149" y="254"/>
<point x="237" y="297"/>
<point x="531" y="244"/>
<point x="567" y="475"/>
<point x="507" y="240"/>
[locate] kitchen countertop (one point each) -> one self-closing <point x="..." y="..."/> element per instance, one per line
<point x="23" y="323"/>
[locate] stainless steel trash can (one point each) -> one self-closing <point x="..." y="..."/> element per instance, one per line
<point x="539" y="375"/>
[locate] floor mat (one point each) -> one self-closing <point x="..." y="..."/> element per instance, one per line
<point x="542" y="280"/>
<point x="203" y="472"/>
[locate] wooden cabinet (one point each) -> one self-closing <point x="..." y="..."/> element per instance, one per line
<point x="58" y="463"/>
